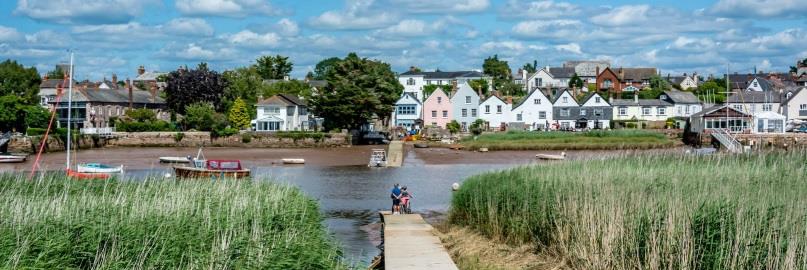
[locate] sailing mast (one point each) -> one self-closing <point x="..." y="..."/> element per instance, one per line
<point x="69" y="109"/>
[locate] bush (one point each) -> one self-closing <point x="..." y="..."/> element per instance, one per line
<point x="224" y="132"/>
<point x="148" y="126"/>
<point x="246" y="138"/>
<point x="477" y="127"/>
<point x="199" y="116"/>
<point x="35" y="131"/>
<point x="141" y="115"/>
<point x="179" y="136"/>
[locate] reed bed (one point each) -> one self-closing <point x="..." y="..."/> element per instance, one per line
<point x="53" y="222"/>
<point x="649" y="212"/>
<point x="556" y="140"/>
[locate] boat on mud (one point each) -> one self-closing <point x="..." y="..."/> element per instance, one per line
<point x="98" y="168"/>
<point x="213" y="169"/>
<point x="12" y="158"/>
<point x="293" y="161"/>
<point x="562" y="156"/>
<point x="378" y="158"/>
<point x="175" y="160"/>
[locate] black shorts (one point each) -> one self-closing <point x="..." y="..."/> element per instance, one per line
<point x="396" y="201"/>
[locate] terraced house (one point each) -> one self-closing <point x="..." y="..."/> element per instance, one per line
<point x="407" y="113"/>
<point x="465" y="105"/>
<point x="414" y="80"/>
<point x="649" y="113"/>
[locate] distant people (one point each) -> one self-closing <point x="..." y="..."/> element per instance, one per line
<point x="395" y="195"/>
<point x="405" y="198"/>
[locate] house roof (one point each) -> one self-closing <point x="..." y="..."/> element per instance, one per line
<point x="641" y="102"/>
<point x="769" y="115"/>
<point x="410" y="95"/>
<point x="755" y="97"/>
<point x="52" y="83"/>
<point x="561" y="72"/>
<point x="764" y="84"/>
<point x="121" y="96"/>
<point x="282" y="99"/>
<point x="523" y="100"/>
<point x="490" y="97"/>
<point x="714" y="109"/>
<point x="149" y="76"/>
<point x="565" y="90"/>
<point x="795" y="92"/>
<point x="637" y="74"/>
<point x="445" y="74"/>
<point x="590" y="95"/>
<point x="682" y="97"/>
<point x="676" y="79"/>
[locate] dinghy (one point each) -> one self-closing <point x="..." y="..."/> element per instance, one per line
<point x="562" y="156"/>
<point x="87" y="176"/>
<point x="293" y="161"/>
<point x="98" y="168"/>
<point x="175" y="160"/>
<point x="378" y="158"/>
<point x="12" y="158"/>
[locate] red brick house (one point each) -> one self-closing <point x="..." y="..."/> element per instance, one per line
<point x="622" y="78"/>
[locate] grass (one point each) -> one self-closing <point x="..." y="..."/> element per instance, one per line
<point x="648" y="212"/>
<point x="556" y="140"/>
<point x="55" y="223"/>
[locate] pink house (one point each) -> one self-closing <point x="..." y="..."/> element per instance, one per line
<point x="437" y="109"/>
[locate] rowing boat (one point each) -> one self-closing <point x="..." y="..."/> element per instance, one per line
<point x="12" y="158"/>
<point x="98" y="168"/>
<point x="174" y="160"/>
<point x="293" y="161"/>
<point x="562" y="156"/>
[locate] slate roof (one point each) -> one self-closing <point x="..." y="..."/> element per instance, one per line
<point x="637" y="74"/>
<point x="445" y="74"/>
<point x="755" y="97"/>
<point x="714" y="109"/>
<point x="682" y="97"/>
<point x="764" y="84"/>
<point x="561" y="72"/>
<point x="590" y="95"/>
<point x="149" y="76"/>
<point x="410" y="95"/>
<point x="676" y="79"/>
<point x="642" y="102"/>
<point x="52" y="83"/>
<point x="119" y="96"/>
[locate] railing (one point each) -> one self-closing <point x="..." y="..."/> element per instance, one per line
<point x="98" y="131"/>
<point x="728" y="140"/>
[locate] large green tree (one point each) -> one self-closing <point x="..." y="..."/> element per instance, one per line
<point x="498" y="69"/>
<point x="479" y="85"/>
<point x="531" y="68"/>
<point x="244" y="83"/>
<point x="186" y="87"/>
<point x="291" y="87"/>
<point x="57" y="73"/>
<point x="15" y="79"/>
<point x="273" y="67"/>
<point x="238" y="115"/>
<point x="322" y="68"/>
<point x="358" y="89"/>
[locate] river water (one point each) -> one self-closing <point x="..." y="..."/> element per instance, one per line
<point x="350" y="194"/>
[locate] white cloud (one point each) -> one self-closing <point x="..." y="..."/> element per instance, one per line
<point x="622" y="16"/>
<point x="413" y="28"/>
<point x="287" y="27"/>
<point x="443" y="6"/>
<point x="194" y="52"/>
<point x="760" y="8"/>
<point x="357" y="16"/>
<point x="225" y="8"/>
<point x="9" y="34"/>
<point x="692" y="44"/>
<point x="571" y="47"/>
<point x="189" y="26"/>
<point x="555" y="29"/>
<point x="82" y="11"/>
<point x="248" y="38"/>
<point x="547" y="9"/>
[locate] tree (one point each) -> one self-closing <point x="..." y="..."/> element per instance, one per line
<point x="244" y="83"/>
<point x="453" y="127"/>
<point x="17" y="80"/>
<point x="659" y="83"/>
<point x="511" y="89"/>
<point x="498" y="69"/>
<point x="322" y="68"/>
<point x="199" y="116"/>
<point x="36" y="116"/>
<point x="141" y="115"/>
<point x="291" y="87"/>
<point x="273" y="67"/>
<point x="480" y="85"/>
<point x="477" y="127"/>
<point x="531" y="68"/>
<point x="186" y="87"/>
<point x="239" y="116"/>
<point x="429" y="89"/>
<point x="358" y="89"/>
<point x="575" y="82"/>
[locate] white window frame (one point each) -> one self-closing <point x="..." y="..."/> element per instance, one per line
<point x="661" y="111"/>
<point x="498" y="109"/>
<point x="623" y="110"/>
<point x="487" y="109"/>
<point x="647" y="110"/>
<point x="445" y="114"/>
<point x="542" y="115"/>
<point x="467" y="99"/>
<point x="464" y="112"/>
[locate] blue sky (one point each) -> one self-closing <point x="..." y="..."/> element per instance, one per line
<point x="117" y="36"/>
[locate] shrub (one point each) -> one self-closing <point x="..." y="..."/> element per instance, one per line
<point x="225" y="132"/>
<point x="246" y="138"/>
<point x="477" y="127"/>
<point x="35" y="131"/>
<point x="148" y="126"/>
<point x="453" y="127"/>
<point x="141" y="115"/>
<point x="179" y="136"/>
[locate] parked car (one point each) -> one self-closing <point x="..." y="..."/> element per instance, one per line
<point x="801" y="128"/>
<point x="374" y="137"/>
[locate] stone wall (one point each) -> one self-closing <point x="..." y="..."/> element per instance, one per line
<point x="26" y="144"/>
<point x="761" y="141"/>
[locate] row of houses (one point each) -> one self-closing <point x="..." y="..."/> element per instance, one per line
<point x="538" y="110"/>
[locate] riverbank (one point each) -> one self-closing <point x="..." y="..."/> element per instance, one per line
<point x="671" y="211"/>
<point x="56" y="223"/>
<point x="556" y="140"/>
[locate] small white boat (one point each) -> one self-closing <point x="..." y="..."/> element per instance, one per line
<point x="293" y="161"/>
<point x="12" y="158"/>
<point x="175" y="160"/>
<point x="98" y="168"/>
<point x="562" y="156"/>
<point x="378" y="158"/>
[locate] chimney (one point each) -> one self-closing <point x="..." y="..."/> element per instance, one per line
<point x="286" y="78"/>
<point x="114" y="80"/>
<point x="141" y="70"/>
<point x="635" y="98"/>
<point x="610" y="100"/>
<point x="621" y="74"/>
<point x="131" y="100"/>
<point x="598" y="72"/>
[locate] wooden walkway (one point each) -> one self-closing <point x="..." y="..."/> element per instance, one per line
<point x="409" y="243"/>
<point x="395" y="154"/>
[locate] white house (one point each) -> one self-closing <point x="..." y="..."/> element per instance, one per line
<point x="407" y="111"/>
<point x="534" y="112"/>
<point x="414" y="81"/>
<point x="566" y="110"/>
<point x="495" y="111"/>
<point x="752" y="102"/>
<point x="795" y="107"/>
<point x="768" y="122"/>
<point x="642" y="109"/>
<point x="465" y="106"/>
<point x="759" y="84"/>
<point x="282" y="112"/>
<point x="540" y="79"/>
<point x="587" y="70"/>
<point x="685" y="104"/>
<point x="684" y="82"/>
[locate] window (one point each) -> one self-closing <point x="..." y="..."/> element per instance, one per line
<point x="487" y="109"/>
<point x="623" y="110"/>
<point x="565" y="99"/>
<point x="467" y="99"/>
<point x="738" y="107"/>
<point x="564" y="112"/>
<point x="597" y="99"/>
<point x="564" y="125"/>
<point x="687" y="109"/>
<point x="473" y="112"/>
<point x="597" y="112"/>
<point x="498" y="108"/>
<point x="445" y="114"/>
<point x="661" y="111"/>
<point x="756" y="84"/>
<point x="406" y="109"/>
<point x="440" y="82"/>
<point x="802" y="107"/>
<point x="518" y="117"/>
<point x="767" y="107"/>
<point x="645" y="110"/>
<point x="410" y="81"/>
<point x="428" y="82"/>
<point x="607" y="83"/>
<point x="464" y="112"/>
<point x="541" y="115"/>
<point x="271" y="110"/>
<point x="290" y="111"/>
<point x="539" y="81"/>
<point x="537" y="101"/>
<point x="268" y="126"/>
<point x="582" y="112"/>
<point x="434" y="114"/>
<point x="439" y="100"/>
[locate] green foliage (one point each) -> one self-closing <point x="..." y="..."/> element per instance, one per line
<point x="244" y="83"/>
<point x="199" y="116"/>
<point x="479" y="85"/>
<point x="358" y="89"/>
<point x="141" y="120"/>
<point x="19" y="81"/>
<point x="141" y="115"/>
<point x="576" y="82"/>
<point x="179" y="136"/>
<point x="273" y="67"/>
<point x="292" y="87"/>
<point x="36" y="116"/>
<point x="429" y="89"/>
<point x="323" y="67"/>
<point x="57" y="73"/>
<point x="186" y="87"/>
<point x="647" y="211"/>
<point x="498" y="69"/>
<point x="224" y="132"/>
<point x="238" y="115"/>
<point x="590" y="140"/>
<point x="531" y="68"/>
<point x="246" y="138"/>
<point x="155" y="224"/>
<point x="659" y="83"/>
<point x="477" y="127"/>
<point x="511" y="89"/>
<point x="298" y="135"/>
<point x="711" y="91"/>
<point x="453" y="127"/>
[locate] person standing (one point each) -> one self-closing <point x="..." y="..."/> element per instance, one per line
<point x="395" y="195"/>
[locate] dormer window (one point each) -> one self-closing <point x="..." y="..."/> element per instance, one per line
<point x="565" y="99"/>
<point x="662" y="97"/>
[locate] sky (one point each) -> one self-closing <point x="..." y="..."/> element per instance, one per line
<point x="118" y="36"/>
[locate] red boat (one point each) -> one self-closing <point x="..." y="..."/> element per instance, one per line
<point x="213" y="168"/>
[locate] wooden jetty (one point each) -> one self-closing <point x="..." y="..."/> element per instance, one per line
<point x="409" y="243"/>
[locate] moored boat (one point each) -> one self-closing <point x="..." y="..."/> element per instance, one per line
<point x="213" y="168"/>
<point x="562" y="156"/>
<point x="175" y="160"/>
<point x="98" y="168"/>
<point x="12" y="158"/>
<point x="378" y="158"/>
<point x="421" y="145"/>
<point x="87" y="176"/>
<point x="293" y="161"/>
